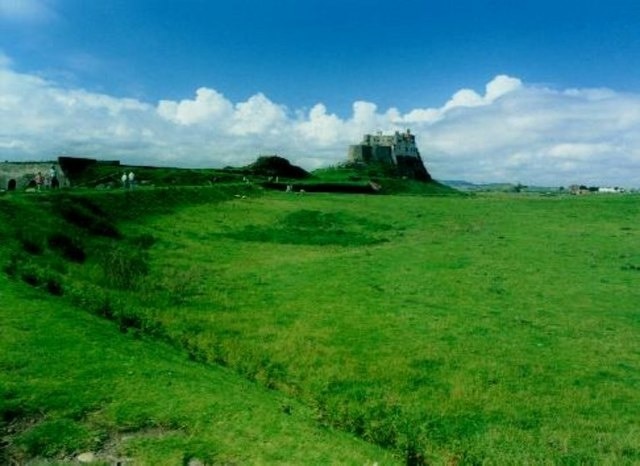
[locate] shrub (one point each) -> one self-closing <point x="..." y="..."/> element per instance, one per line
<point x="86" y="215"/>
<point x="144" y="241"/>
<point x="54" y="286"/>
<point x="10" y="409"/>
<point x="55" y="437"/>
<point x="178" y="286"/>
<point x="12" y="265"/>
<point x="36" y="275"/>
<point x="31" y="244"/>
<point x="94" y="299"/>
<point x="127" y="320"/>
<point x="102" y="227"/>
<point x="30" y="276"/>
<point x="76" y="214"/>
<point x="124" y="268"/>
<point x="68" y="247"/>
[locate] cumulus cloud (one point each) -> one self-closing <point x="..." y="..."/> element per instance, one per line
<point x="510" y="131"/>
<point x="259" y="116"/>
<point x="496" y="88"/>
<point x="320" y="128"/>
<point x="208" y="107"/>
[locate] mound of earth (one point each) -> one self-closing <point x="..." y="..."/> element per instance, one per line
<point x="274" y="165"/>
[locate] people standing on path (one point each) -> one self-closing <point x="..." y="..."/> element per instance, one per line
<point x="53" y="174"/>
<point x="131" y="180"/>
<point x="39" y="181"/>
<point x="124" y="180"/>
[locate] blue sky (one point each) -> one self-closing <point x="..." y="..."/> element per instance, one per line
<point x="537" y="92"/>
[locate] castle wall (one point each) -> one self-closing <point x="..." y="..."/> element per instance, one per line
<point x="397" y="150"/>
<point x="21" y="174"/>
<point x="355" y="154"/>
<point x="360" y="153"/>
<point x="382" y="154"/>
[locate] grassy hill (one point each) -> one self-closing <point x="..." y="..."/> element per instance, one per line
<point x="71" y="383"/>
<point x="74" y="382"/>
<point x="443" y="329"/>
<point x="383" y="181"/>
<point x="270" y="172"/>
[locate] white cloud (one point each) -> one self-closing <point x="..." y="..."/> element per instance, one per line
<point x="499" y="86"/>
<point x="465" y="98"/>
<point x="512" y="132"/>
<point x="581" y="151"/>
<point x="320" y="128"/>
<point x="258" y="115"/>
<point x="209" y="106"/>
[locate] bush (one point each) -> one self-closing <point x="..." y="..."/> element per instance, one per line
<point x="102" y="227"/>
<point x="54" y="286"/>
<point x="12" y="265"/>
<point x="128" y="320"/>
<point x="65" y="245"/>
<point x="76" y="214"/>
<point x="124" y="268"/>
<point x="85" y="214"/>
<point x="178" y="286"/>
<point x="31" y="244"/>
<point x="144" y="241"/>
<point x="37" y="275"/>
<point x="56" y="437"/>
<point x="94" y="299"/>
<point x="30" y="276"/>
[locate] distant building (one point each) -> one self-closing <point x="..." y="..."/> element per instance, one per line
<point x="398" y="150"/>
<point x="582" y="189"/>
<point x="21" y="175"/>
<point x="615" y="190"/>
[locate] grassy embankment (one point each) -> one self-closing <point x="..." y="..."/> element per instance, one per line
<point x="336" y="179"/>
<point x="73" y="382"/>
<point x="494" y="328"/>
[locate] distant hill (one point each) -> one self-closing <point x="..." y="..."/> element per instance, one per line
<point x="459" y="184"/>
<point x="276" y="166"/>
<point x="468" y="186"/>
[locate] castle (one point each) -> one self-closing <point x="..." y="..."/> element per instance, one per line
<point x="398" y="150"/>
<point x="22" y="175"/>
<point x="18" y="176"/>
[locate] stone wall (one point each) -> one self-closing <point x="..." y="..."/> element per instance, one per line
<point x="20" y="175"/>
<point x="398" y="150"/>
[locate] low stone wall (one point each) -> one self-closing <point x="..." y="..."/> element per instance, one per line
<point x="20" y="175"/>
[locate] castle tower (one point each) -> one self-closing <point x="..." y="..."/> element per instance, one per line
<point x="398" y="150"/>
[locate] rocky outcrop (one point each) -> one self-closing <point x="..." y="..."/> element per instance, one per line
<point x="412" y="167"/>
<point x="397" y="152"/>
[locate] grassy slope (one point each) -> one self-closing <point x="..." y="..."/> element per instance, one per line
<point x="492" y="328"/>
<point x="71" y="382"/>
<point x="389" y="184"/>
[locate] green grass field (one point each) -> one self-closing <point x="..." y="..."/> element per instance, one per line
<point x="494" y="329"/>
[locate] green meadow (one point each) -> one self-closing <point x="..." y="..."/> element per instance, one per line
<point x="235" y="325"/>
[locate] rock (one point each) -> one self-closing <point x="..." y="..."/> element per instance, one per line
<point x="87" y="457"/>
